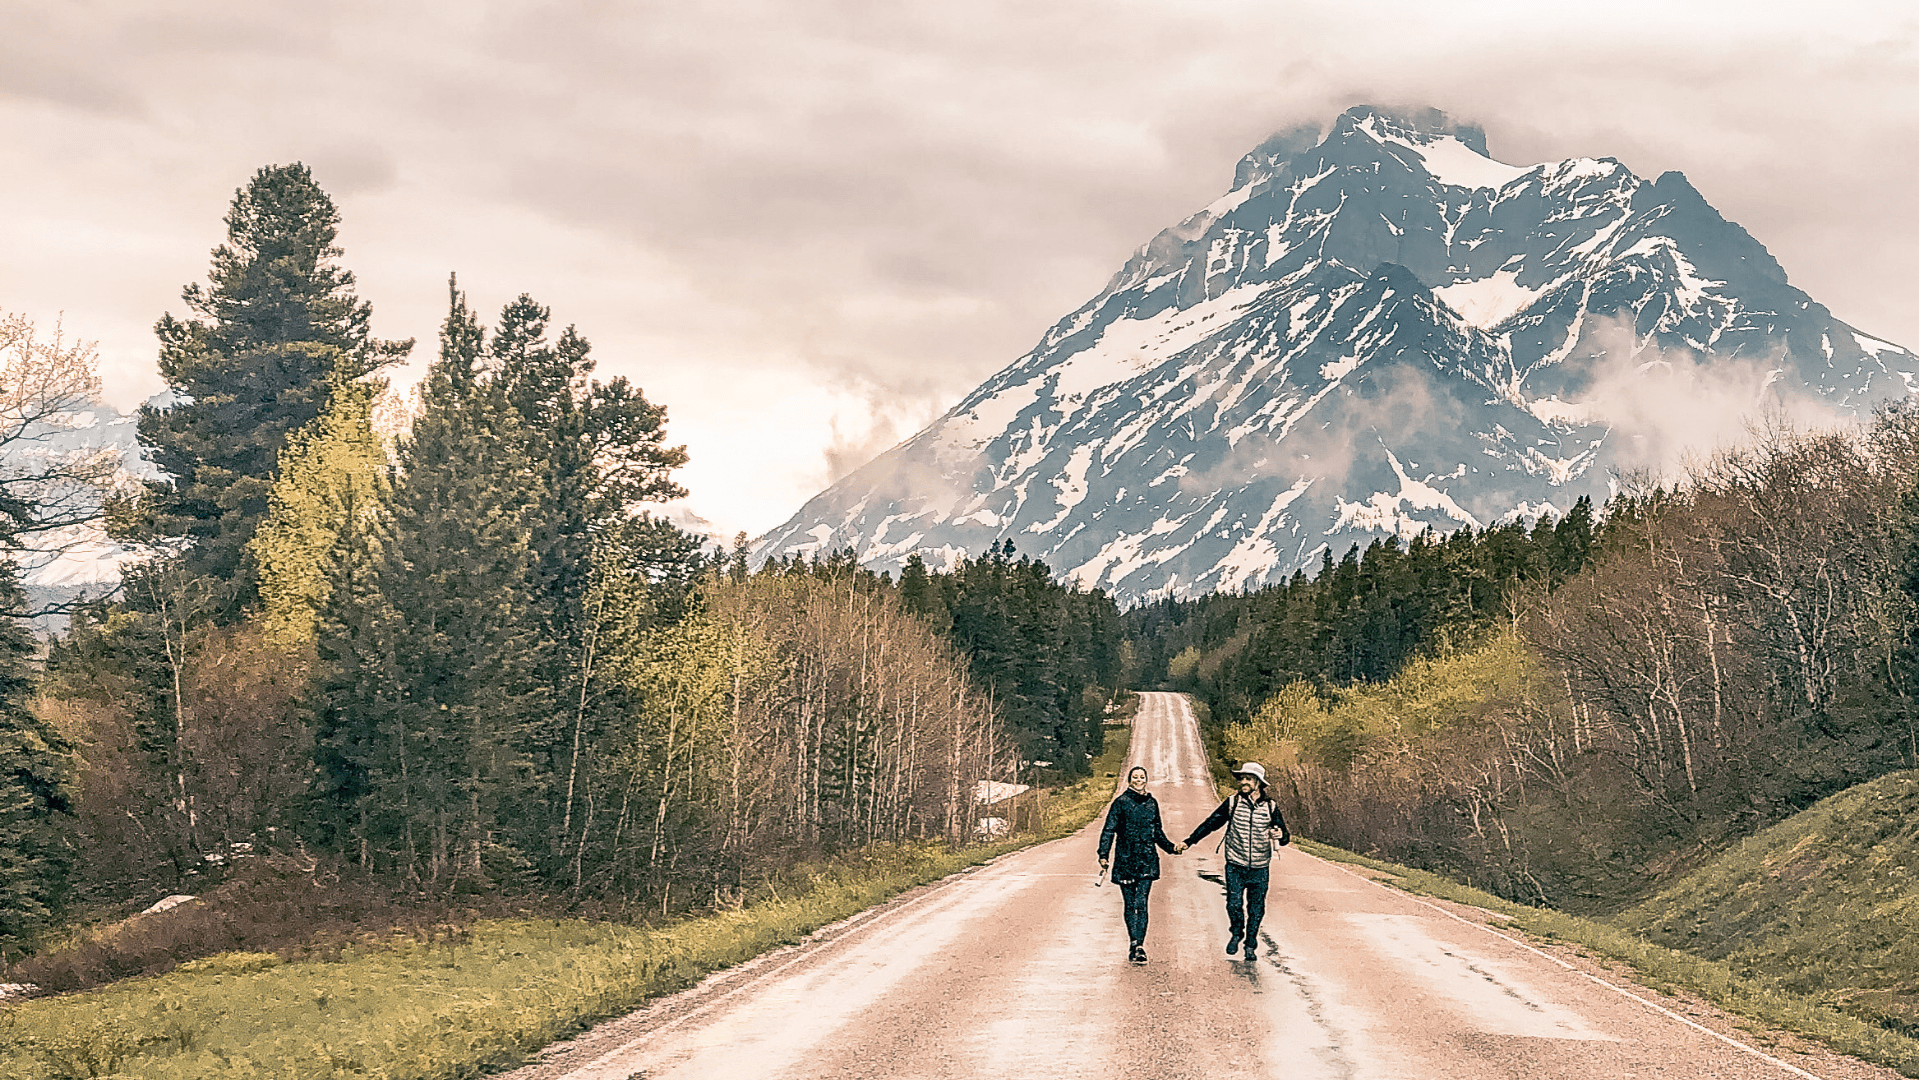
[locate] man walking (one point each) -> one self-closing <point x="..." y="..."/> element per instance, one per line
<point x="1254" y="826"/>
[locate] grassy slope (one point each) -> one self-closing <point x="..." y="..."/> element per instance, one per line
<point x="1808" y="927"/>
<point x="1822" y="904"/>
<point x="477" y="999"/>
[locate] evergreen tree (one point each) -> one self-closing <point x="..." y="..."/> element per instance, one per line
<point x="253" y="363"/>
<point x="35" y="856"/>
<point x="432" y="647"/>
<point x="598" y="451"/>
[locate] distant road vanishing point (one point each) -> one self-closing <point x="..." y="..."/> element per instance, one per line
<point x="1018" y="970"/>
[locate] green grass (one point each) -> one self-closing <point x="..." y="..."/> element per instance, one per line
<point x="462" y="1002"/>
<point x="1664" y="968"/>
<point x="1822" y="904"/>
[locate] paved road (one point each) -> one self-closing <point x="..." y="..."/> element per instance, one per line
<point x="1019" y="970"/>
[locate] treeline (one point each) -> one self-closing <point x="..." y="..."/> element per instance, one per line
<point x="1732" y="652"/>
<point x="443" y="643"/>
<point x="1359" y="620"/>
<point x="1051" y="655"/>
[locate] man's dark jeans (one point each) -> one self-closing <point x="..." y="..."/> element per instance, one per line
<point x="1246" y="899"/>
<point x="1133" y="895"/>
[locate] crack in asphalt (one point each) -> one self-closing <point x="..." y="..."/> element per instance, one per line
<point x="1334" y="1054"/>
<point x="1495" y="980"/>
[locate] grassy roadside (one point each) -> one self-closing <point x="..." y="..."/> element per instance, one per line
<point x="466" y="1002"/>
<point x="1662" y="968"/>
<point x="1821" y="904"/>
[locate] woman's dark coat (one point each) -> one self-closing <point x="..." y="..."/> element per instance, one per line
<point x="1132" y="831"/>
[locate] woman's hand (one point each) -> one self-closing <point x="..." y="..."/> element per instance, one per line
<point x="1180" y="848"/>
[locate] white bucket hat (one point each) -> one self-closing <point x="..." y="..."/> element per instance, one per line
<point x="1253" y="769"/>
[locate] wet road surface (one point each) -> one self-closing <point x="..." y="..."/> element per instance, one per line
<point x="1018" y="969"/>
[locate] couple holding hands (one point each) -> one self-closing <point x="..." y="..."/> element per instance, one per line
<point x="1254" y="828"/>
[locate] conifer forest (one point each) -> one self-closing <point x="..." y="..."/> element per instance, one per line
<point x="443" y="646"/>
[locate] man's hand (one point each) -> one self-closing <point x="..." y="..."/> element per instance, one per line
<point x="1103" y="864"/>
<point x="1180" y="848"/>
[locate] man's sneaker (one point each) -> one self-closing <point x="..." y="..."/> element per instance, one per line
<point x="1139" y="953"/>
<point x="1248" y="952"/>
<point x="1233" y="944"/>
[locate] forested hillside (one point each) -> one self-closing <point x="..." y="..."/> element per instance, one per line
<point x="1571" y="714"/>
<point x="465" y="659"/>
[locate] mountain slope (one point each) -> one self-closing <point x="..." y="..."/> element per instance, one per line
<point x="64" y="565"/>
<point x="1372" y="333"/>
<point x="1822" y="904"/>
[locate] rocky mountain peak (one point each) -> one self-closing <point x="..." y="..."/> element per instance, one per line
<point x="1416" y="127"/>
<point x="1371" y="334"/>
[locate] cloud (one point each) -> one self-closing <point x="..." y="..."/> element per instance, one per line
<point x="1671" y="408"/>
<point x="815" y="195"/>
<point x="850" y="450"/>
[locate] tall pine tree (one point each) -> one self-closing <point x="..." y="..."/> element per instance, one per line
<point x="432" y="645"/>
<point x="598" y="449"/>
<point x="251" y="365"/>
<point x="332" y="478"/>
<point x="35" y="854"/>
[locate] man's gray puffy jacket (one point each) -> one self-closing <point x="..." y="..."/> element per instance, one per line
<point x="1247" y="821"/>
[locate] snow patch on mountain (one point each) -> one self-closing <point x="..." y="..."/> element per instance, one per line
<point x="1256" y="552"/>
<point x="1070" y="488"/>
<point x="1488" y="301"/>
<point x="1446" y="158"/>
<point x="1259" y="383"/>
<point x="1127" y="347"/>
<point x="1391" y="512"/>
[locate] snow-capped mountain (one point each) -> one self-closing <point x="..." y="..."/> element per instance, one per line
<point x="76" y="561"/>
<point x="1373" y="332"/>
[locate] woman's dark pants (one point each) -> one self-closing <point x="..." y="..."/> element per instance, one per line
<point x="1134" y="896"/>
<point x="1246" y="899"/>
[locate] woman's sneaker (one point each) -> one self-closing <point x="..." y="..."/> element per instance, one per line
<point x="1233" y="944"/>
<point x="1138" y="954"/>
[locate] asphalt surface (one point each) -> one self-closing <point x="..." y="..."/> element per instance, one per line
<point x="1018" y="969"/>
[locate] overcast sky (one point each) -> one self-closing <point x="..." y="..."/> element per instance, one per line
<point x="807" y="227"/>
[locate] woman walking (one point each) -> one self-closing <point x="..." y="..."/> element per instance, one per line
<point x="1132" y="832"/>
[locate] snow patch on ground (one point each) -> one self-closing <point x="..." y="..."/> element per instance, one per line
<point x="992" y="791"/>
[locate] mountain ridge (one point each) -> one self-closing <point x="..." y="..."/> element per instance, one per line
<point x="1291" y="354"/>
